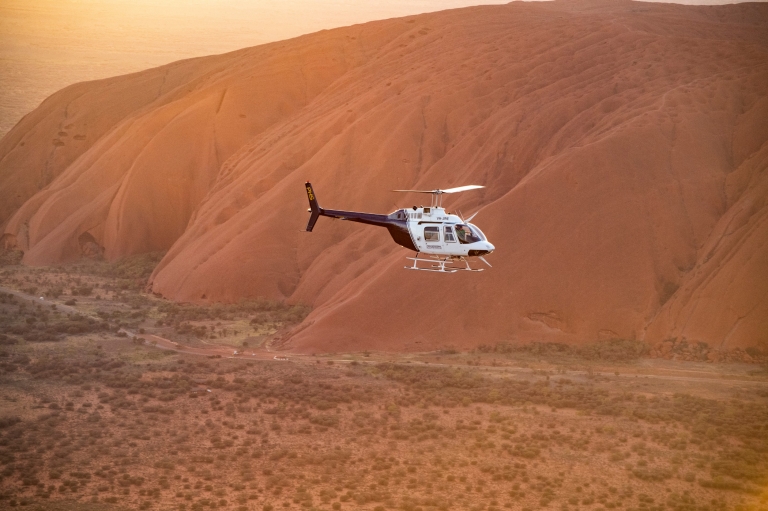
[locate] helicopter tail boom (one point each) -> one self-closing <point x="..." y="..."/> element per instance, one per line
<point x="394" y="225"/>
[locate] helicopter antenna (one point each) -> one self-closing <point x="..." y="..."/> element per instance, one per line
<point x="437" y="195"/>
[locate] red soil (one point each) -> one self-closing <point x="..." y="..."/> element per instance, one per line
<point x="623" y="147"/>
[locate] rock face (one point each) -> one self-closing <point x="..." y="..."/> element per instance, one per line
<point x="622" y="146"/>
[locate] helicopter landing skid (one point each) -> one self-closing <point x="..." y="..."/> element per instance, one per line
<point x="440" y="264"/>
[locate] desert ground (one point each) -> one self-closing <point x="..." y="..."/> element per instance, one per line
<point x="95" y="414"/>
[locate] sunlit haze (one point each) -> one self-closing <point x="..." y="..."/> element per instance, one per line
<point x="48" y="44"/>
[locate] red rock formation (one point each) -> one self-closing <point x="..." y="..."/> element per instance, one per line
<point x="623" y="147"/>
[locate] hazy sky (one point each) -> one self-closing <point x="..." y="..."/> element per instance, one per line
<point x="46" y="45"/>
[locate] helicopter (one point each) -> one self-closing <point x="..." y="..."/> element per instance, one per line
<point x="447" y="239"/>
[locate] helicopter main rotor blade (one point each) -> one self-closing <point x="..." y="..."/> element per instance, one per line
<point x="486" y="262"/>
<point x="462" y="188"/>
<point x="448" y="190"/>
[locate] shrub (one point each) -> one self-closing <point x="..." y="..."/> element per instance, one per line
<point x="652" y="473"/>
<point x="10" y="257"/>
<point x="328" y="421"/>
<point x="55" y="292"/>
<point x="6" y="341"/>
<point x="8" y="420"/>
<point x="82" y="291"/>
<point x="721" y="483"/>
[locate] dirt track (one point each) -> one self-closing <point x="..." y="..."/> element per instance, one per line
<point x="649" y="370"/>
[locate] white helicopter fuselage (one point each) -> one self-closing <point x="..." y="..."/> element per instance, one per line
<point x="436" y="232"/>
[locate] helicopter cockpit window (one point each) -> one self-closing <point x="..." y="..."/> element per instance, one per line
<point x="431" y="234"/>
<point x="449" y="237"/>
<point x="468" y="233"/>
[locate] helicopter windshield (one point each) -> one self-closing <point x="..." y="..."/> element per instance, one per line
<point x="468" y="233"/>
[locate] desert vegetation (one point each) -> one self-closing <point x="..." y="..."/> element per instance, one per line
<point x="627" y="350"/>
<point x="92" y="418"/>
<point x="99" y="426"/>
<point x="110" y="297"/>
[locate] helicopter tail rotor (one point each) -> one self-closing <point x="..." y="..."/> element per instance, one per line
<point x="314" y="207"/>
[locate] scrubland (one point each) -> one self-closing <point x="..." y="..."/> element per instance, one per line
<point x="94" y="418"/>
<point x="111" y="297"/>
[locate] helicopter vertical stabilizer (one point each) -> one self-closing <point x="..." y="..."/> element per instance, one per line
<point x="314" y="207"/>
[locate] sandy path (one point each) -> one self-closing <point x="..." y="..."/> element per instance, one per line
<point x="42" y="300"/>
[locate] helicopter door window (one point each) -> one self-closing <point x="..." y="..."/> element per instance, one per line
<point x="449" y="237"/>
<point x="431" y="234"/>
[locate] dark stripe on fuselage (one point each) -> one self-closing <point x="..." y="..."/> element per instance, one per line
<point x="400" y="233"/>
<point x="398" y="229"/>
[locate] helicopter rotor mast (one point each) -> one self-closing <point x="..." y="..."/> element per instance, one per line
<point x="437" y="195"/>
